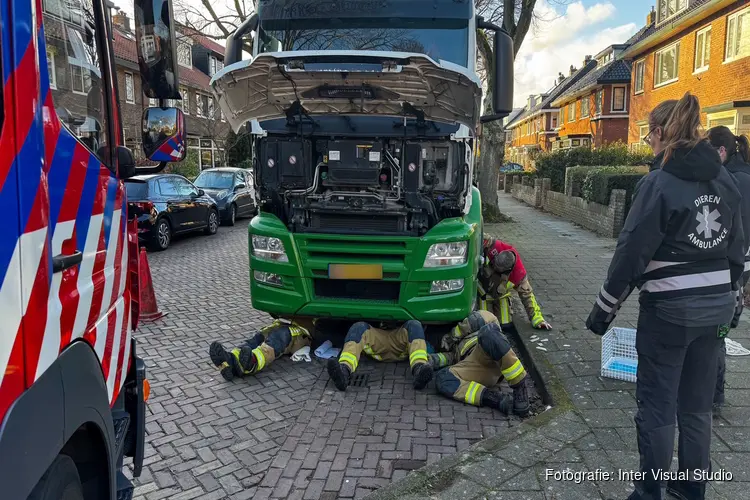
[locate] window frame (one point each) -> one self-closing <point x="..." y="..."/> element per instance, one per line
<point x="572" y="112"/>
<point x="660" y="19"/>
<point x="730" y="18"/>
<point x="624" y="99"/>
<point x="706" y="32"/>
<point x="642" y="64"/>
<point x="51" y="70"/>
<point x="599" y="102"/>
<point x="641" y="133"/>
<point x="711" y="119"/>
<point x="131" y="99"/>
<point x="586" y="99"/>
<point x="676" y="78"/>
<point x="185" y="101"/>
<point x="182" y="41"/>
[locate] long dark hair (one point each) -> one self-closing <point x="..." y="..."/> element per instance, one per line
<point x="680" y="122"/>
<point x="734" y="144"/>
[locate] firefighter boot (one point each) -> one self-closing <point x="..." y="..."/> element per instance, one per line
<point x="339" y="373"/>
<point x="422" y="373"/>
<point x="497" y="400"/>
<point x="227" y="364"/>
<point x="521" y="399"/>
<point x="686" y="490"/>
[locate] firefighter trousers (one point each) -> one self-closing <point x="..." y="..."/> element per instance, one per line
<point x="676" y="376"/>
<point x="408" y="341"/>
<point x="277" y="342"/>
<point x="491" y="359"/>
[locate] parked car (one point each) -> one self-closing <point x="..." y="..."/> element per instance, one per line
<point x="511" y="167"/>
<point x="232" y="188"/>
<point x="168" y="204"/>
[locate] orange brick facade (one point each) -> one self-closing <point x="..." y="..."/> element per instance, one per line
<point x="603" y="128"/>
<point x="721" y="83"/>
<point x="529" y="136"/>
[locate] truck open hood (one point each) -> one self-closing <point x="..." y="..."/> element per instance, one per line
<point x="347" y="83"/>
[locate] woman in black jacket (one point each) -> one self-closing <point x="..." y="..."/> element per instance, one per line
<point x="682" y="246"/>
<point x="734" y="152"/>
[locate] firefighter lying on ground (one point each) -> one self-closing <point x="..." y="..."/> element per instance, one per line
<point x="502" y="272"/>
<point x="479" y="356"/>
<point x="405" y="342"/>
<point x="259" y="351"/>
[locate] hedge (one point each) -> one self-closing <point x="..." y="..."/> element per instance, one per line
<point x="599" y="183"/>
<point x="552" y="165"/>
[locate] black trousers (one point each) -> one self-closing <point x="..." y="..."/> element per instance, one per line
<point x="721" y="374"/>
<point x="676" y="376"/>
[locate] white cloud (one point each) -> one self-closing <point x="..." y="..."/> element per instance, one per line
<point x="558" y="40"/>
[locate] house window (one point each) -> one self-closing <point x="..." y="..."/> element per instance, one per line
<point x="198" y="105"/>
<point x="702" y="49"/>
<point x="640" y="67"/>
<point x="129" y="88"/>
<point x="152" y="103"/>
<point x="738" y="35"/>
<point x="211" y="107"/>
<point x="211" y="65"/>
<point x="669" y="8"/>
<point x="666" y="65"/>
<point x="726" y="118"/>
<point x="618" y="99"/>
<point x="571" y="112"/>
<point x="554" y="121"/>
<point x="561" y="120"/>
<point x="599" y="101"/>
<point x="80" y="79"/>
<point x="51" y="70"/>
<point x="642" y="133"/>
<point x="185" y="104"/>
<point x="184" y="54"/>
<point x="585" y="104"/>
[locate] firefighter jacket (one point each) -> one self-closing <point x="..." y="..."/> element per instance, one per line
<point x="463" y="338"/>
<point x="681" y="245"/>
<point x="297" y="326"/>
<point x="499" y="286"/>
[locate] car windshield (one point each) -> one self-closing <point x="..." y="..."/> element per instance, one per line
<point x="215" y="180"/>
<point x="446" y="39"/>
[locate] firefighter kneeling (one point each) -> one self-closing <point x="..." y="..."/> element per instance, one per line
<point x="382" y="345"/>
<point x="273" y="341"/>
<point x="479" y="356"/>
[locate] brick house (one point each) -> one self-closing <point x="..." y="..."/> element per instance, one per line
<point x="197" y="57"/>
<point x="594" y="110"/>
<point x="534" y="129"/>
<point x="696" y="45"/>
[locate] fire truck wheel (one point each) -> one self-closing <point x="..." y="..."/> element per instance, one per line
<point x="60" y="482"/>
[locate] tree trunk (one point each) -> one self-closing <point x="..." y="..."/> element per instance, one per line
<point x="491" y="152"/>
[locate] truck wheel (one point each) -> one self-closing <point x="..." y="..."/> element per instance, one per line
<point x="60" y="482"/>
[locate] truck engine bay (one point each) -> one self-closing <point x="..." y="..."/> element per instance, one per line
<point x="378" y="186"/>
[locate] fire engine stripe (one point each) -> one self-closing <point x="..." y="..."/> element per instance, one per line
<point x="115" y="358"/>
<point x="85" y="283"/>
<point x="6" y="36"/>
<point x="60" y="177"/>
<point x="51" y="341"/>
<point x="35" y="314"/>
<point x="109" y="206"/>
<point x="124" y="348"/>
<point x="112" y="286"/>
<point x="21" y="30"/>
<point x="87" y="197"/>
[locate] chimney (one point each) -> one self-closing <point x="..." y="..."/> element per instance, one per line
<point x="572" y="70"/>
<point x="560" y="78"/>
<point x="586" y="60"/>
<point x="651" y="17"/>
<point x="122" y="21"/>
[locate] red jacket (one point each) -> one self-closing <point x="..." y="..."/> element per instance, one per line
<point x="519" y="271"/>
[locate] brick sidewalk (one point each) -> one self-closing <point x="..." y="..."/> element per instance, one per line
<point x="593" y="426"/>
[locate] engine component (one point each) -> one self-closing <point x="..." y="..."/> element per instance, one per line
<point x="286" y="163"/>
<point x="353" y="163"/>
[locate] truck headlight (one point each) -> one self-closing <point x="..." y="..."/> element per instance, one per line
<point x="442" y="286"/>
<point x="446" y="254"/>
<point x="267" y="278"/>
<point x="269" y="248"/>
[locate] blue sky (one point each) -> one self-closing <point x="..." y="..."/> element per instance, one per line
<point x="565" y="33"/>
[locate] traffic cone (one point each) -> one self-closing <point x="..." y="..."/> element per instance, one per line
<point x="149" y="310"/>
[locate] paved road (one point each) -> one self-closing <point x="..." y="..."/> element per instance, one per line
<point x="286" y="433"/>
<point x="593" y="427"/>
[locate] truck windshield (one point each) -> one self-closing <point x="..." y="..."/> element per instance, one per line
<point x="446" y="39"/>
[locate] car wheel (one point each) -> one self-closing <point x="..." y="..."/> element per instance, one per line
<point x="232" y="215"/>
<point x="162" y="235"/>
<point x="213" y="221"/>
<point x="60" y="482"/>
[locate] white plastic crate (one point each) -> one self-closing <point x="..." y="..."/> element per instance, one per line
<point x="619" y="357"/>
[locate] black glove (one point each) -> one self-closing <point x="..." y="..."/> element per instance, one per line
<point x="596" y="322"/>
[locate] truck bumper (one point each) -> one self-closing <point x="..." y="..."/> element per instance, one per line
<point x="303" y="287"/>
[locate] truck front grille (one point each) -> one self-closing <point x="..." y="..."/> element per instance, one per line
<point x="362" y="224"/>
<point x="384" y="291"/>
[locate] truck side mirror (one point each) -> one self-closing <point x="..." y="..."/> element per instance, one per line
<point x="502" y="91"/>
<point x="155" y="34"/>
<point x="164" y="134"/>
<point x="233" y="49"/>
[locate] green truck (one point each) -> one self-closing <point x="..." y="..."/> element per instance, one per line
<point x="363" y="118"/>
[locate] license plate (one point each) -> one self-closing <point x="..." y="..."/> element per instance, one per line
<point x="355" y="271"/>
